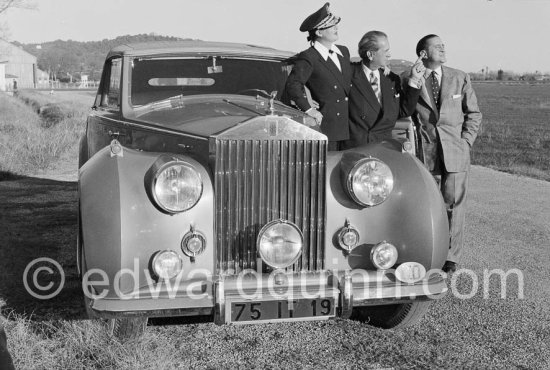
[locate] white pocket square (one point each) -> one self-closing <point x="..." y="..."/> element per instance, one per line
<point x="456" y="96"/>
<point x="396" y="95"/>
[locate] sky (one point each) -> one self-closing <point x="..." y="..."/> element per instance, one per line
<point x="497" y="34"/>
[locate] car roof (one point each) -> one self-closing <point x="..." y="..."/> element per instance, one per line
<point x="197" y="48"/>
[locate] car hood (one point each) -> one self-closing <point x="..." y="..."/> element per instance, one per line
<point x="207" y="115"/>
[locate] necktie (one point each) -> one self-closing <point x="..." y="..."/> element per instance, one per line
<point x="435" y="88"/>
<point x="332" y="56"/>
<point x="374" y="85"/>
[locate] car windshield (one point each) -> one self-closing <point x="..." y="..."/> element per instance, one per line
<point x="167" y="80"/>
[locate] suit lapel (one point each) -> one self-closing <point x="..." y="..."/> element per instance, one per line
<point x="329" y="64"/>
<point x="346" y="72"/>
<point x="364" y="87"/>
<point x="385" y="86"/>
<point x="447" y="77"/>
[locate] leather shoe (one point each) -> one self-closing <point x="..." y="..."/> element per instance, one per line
<point x="449" y="267"/>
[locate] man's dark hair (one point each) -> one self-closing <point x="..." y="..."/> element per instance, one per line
<point x="369" y="42"/>
<point x="422" y="43"/>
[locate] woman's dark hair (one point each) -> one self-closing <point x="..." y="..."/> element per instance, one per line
<point x="312" y="36"/>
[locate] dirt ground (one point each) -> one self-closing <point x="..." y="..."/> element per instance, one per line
<point x="38" y="220"/>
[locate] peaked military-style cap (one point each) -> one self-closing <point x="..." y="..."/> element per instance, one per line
<point x="321" y="19"/>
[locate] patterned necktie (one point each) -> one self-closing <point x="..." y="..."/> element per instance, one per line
<point x="435" y="88"/>
<point x="374" y="85"/>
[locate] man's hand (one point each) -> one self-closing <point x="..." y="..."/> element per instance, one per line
<point x="310" y="100"/>
<point x="417" y="70"/>
<point x="316" y="115"/>
<point x="416" y="75"/>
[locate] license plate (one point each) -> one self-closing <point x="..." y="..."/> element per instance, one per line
<point x="283" y="310"/>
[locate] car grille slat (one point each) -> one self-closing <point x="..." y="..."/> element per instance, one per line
<point x="257" y="181"/>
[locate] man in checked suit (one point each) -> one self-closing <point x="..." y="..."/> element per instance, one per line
<point x="448" y="120"/>
<point x="377" y="99"/>
<point x="324" y="69"/>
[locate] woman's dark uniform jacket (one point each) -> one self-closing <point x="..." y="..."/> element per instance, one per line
<point x="370" y="121"/>
<point x="328" y="86"/>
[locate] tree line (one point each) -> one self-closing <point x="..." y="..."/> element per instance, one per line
<point x="68" y="60"/>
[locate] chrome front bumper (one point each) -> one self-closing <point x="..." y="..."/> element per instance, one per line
<point x="348" y="289"/>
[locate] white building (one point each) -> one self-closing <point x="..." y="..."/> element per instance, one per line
<point x="18" y="68"/>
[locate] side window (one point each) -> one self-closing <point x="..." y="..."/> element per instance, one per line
<point x="111" y="92"/>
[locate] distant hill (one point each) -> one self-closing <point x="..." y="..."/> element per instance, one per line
<point x="65" y="58"/>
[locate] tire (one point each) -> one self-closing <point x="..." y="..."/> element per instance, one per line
<point x="128" y="328"/>
<point x="391" y="316"/>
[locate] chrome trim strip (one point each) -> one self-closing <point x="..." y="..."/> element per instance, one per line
<point x="148" y="127"/>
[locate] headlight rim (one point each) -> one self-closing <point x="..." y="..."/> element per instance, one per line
<point x="163" y="167"/>
<point x="351" y="174"/>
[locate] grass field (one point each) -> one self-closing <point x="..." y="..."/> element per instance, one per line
<point x="485" y="331"/>
<point x="516" y="129"/>
<point x="37" y="129"/>
<point x="476" y="333"/>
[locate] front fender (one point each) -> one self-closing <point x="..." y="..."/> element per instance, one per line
<point x="122" y="228"/>
<point x="413" y="218"/>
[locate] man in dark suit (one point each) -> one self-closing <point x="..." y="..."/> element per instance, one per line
<point x="448" y="120"/>
<point x="378" y="99"/>
<point x="324" y="69"/>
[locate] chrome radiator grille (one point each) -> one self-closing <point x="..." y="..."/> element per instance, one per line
<point x="257" y="181"/>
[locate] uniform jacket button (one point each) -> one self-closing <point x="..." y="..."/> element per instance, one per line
<point x="335" y="86"/>
<point x="338" y="101"/>
<point x="337" y="114"/>
<point x="346" y="98"/>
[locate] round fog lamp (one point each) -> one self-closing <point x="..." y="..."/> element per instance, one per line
<point x="280" y="243"/>
<point x="383" y="255"/>
<point x="167" y="264"/>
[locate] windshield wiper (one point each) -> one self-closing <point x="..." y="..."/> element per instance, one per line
<point x="242" y="107"/>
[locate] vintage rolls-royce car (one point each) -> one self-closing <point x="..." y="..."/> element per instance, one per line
<point x="202" y="193"/>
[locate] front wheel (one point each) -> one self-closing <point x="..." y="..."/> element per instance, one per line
<point x="128" y="328"/>
<point x="391" y="316"/>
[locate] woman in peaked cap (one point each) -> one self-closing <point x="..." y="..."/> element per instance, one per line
<point x="324" y="69"/>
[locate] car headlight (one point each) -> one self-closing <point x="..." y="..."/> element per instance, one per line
<point x="370" y="182"/>
<point x="383" y="255"/>
<point x="166" y="264"/>
<point x="176" y="186"/>
<point x="280" y="243"/>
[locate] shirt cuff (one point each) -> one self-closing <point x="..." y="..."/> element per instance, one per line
<point x="415" y="83"/>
